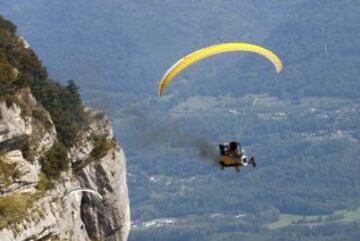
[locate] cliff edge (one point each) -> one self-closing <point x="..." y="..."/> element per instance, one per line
<point x="51" y="148"/>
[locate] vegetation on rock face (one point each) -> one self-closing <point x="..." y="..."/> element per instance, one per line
<point x="7" y="26"/>
<point x="14" y="208"/>
<point x="20" y="68"/>
<point x="22" y="77"/>
<point x="41" y="124"/>
<point x="8" y="173"/>
<point x="55" y="161"/>
<point x="102" y="145"/>
<point x="41" y="115"/>
<point x="65" y="107"/>
<point x="7" y="73"/>
<point x="44" y="183"/>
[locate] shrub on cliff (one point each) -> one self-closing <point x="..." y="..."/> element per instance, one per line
<point x="55" y="161"/>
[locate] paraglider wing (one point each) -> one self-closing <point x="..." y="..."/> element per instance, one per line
<point x="213" y="50"/>
<point x="78" y="190"/>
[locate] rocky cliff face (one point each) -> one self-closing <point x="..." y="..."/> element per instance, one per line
<point x="35" y="209"/>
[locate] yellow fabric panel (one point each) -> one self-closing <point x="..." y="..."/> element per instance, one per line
<point x="213" y="50"/>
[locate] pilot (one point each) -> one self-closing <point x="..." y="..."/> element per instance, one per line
<point x="233" y="150"/>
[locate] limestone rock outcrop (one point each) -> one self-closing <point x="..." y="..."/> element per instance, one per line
<point x="24" y="140"/>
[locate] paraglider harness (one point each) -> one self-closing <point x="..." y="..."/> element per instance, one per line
<point x="233" y="156"/>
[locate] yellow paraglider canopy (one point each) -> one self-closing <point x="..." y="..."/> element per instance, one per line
<point x="213" y="50"/>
